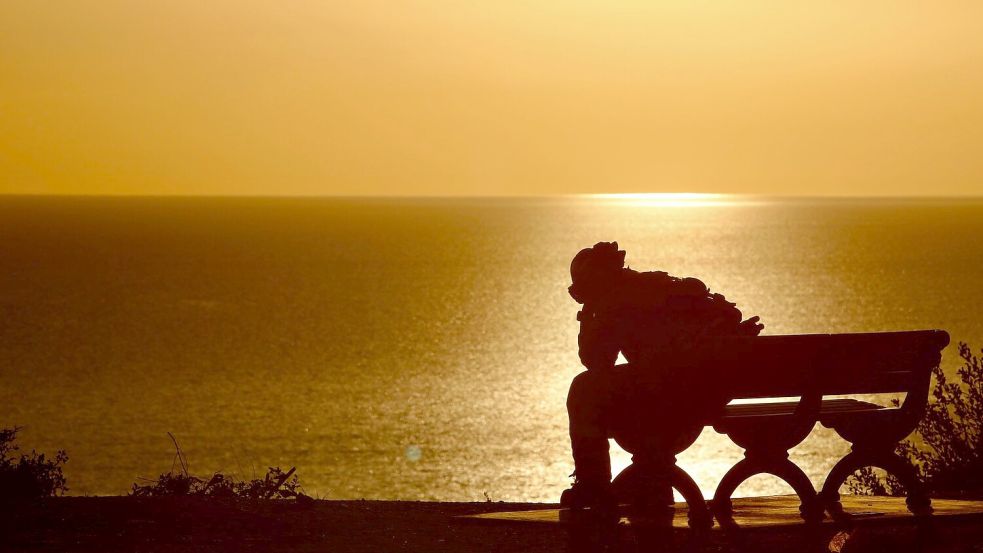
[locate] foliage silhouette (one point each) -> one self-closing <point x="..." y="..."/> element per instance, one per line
<point x="949" y="455"/>
<point x="276" y="483"/>
<point x="26" y="477"/>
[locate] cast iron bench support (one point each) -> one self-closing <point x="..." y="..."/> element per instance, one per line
<point x="874" y="435"/>
<point x="766" y="440"/>
<point x="630" y="478"/>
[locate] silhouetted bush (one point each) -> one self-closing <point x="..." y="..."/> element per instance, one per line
<point x="949" y="457"/>
<point x="276" y="484"/>
<point x="31" y="476"/>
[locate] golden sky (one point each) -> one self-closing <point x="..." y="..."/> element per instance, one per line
<point x="491" y="97"/>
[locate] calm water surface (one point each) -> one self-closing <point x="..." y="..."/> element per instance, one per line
<point x="409" y="349"/>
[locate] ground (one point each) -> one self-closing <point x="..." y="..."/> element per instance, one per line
<point x="202" y="524"/>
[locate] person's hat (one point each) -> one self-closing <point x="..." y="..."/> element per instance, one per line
<point x="593" y="266"/>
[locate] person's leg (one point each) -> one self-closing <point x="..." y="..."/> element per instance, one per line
<point x="588" y="403"/>
<point x="655" y="407"/>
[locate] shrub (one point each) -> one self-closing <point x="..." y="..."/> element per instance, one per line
<point x="949" y="458"/>
<point x="28" y="476"/>
<point x="276" y="483"/>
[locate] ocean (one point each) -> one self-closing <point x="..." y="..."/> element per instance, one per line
<point x="411" y="348"/>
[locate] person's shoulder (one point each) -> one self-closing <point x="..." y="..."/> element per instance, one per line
<point x="649" y="288"/>
<point x="676" y="286"/>
<point x="650" y="278"/>
<point x="664" y="279"/>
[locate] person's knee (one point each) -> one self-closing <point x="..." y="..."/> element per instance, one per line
<point x="582" y="388"/>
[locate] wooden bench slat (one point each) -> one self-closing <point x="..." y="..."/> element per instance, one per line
<point x="837" y="364"/>
<point x="829" y="406"/>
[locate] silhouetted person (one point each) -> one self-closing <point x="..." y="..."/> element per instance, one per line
<point x="664" y="326"/>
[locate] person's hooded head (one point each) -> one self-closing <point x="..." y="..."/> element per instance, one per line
<point x="594" y="270"/>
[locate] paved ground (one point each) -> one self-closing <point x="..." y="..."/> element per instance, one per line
<point x="195" y="524"/>
<point x="775" y="512"/>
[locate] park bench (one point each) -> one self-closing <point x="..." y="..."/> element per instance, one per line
<point x="811" y="367"/>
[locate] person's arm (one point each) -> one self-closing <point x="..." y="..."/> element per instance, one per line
<point x="597" y="340"/>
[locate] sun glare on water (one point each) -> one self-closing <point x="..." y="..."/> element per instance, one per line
<point x="669" y="199"/>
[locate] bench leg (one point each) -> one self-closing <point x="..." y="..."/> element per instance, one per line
<point x="699" y="516"/>
<point x="918" y="501"/>
<point x="776" y="464"/>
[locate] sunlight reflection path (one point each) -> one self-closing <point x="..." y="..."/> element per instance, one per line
<point x="674" y="199"/>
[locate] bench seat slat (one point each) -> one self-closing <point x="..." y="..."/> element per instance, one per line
<point x="829" y="407"/>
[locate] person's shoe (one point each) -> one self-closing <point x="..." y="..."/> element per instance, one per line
<point x="583" y="495"/>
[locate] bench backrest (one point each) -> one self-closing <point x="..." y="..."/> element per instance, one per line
<point x="791" y="365"/>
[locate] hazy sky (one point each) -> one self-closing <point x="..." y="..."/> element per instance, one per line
<point x="495" y="97"/>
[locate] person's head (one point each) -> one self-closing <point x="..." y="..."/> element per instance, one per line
<point x="593" y="270"/>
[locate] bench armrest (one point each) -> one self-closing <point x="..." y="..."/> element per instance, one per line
<point x="915" y="402"/>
